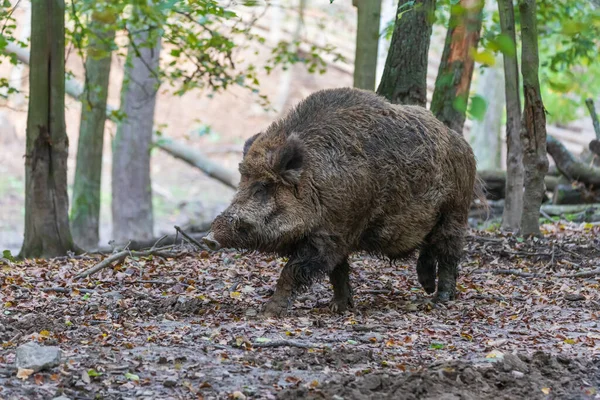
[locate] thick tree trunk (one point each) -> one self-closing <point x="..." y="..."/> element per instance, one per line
<point x="533" y="129"/>
<point x="485" y="134"/>
<point x="173" y="147"/>
<point x="47" y="232"/>
<point x="367" y="38"/>
<point x="451" y="94"/>
<point x="286" y="78"/>
<point x="404" y="79"/>
<point x="513" y="207"/>
<point x="131" y="186"/>
<point x="85" y="209"/>
<point x="388" y="16"/>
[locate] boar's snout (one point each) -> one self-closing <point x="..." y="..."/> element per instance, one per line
<point x="211" y="242"/>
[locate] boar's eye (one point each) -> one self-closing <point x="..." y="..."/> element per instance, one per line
<point x="260" y="190"/>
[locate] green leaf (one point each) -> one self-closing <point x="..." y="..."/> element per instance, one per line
<point x="484" y="57"/>
<point x="132" y="377"/>
<point x="460" y="104"/>
<point x="504" y="44"/>
<point x="93" y="373"/>
<point x="478" y="107"/>
<point x="436" y="346"/>
<point x="8" y="255"/>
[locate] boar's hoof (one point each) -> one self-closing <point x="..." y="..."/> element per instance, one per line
<point x="273" y="309"/>
<point x="444" y="296"/>
<point x="339" y="306"/>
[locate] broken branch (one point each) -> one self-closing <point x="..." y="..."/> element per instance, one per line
<point x="120" y="256"/>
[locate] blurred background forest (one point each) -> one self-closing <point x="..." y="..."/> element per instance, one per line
<point x="273" y="54"/>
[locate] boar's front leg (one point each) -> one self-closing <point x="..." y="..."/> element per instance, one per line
<point x="342" y="291"/>
<point x="284" y="291"/>
<point x="311" y="261"/>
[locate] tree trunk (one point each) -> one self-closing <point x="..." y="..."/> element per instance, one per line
<point x="85" y="210"/>
<point x="388" y="16"/>
<point x="485" y="134"/>
<point x="286" y="77"/>
<point x="451" y="94"/>
<point x="404" y="79"/>
<point x="47" y="232"/>
<point x="367" y="38"/>
<point x="533" y="129"/>
<point x="131" y="186"/>
<point x="513" y="207"/>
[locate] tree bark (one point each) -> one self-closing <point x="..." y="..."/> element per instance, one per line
<point x="592" y="109"/>
<point x="485" y="134"/>
<point x="404" y="79"/>
<point x="451" y="94"/>
<point x="367" y="38"/>
<point x="131" y="185"/>
<point x="173" y="147"/>
<point x="533" y="129"/>
<point x="513" y="207"/>
<point x="47" y="232"/>
<point x="85" y="210"/>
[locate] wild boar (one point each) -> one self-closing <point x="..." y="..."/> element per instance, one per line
<point x="347" y="171"/>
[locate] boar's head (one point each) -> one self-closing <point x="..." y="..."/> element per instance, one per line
<point x="269" y="212"/>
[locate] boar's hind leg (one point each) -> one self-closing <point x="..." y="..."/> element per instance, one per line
<point x="342" y="291"/>
<point x="446" y="241"/>
<point x="426" y="268"/>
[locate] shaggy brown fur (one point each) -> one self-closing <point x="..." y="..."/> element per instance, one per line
<point x="347" y="171"/>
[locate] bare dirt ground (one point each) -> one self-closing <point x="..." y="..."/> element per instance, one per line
<point x="525" y="325"/>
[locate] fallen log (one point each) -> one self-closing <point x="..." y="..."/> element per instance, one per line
<point x="495" y="183"/>
<point x="74" y="88"/>
<point x="569" y="166"/>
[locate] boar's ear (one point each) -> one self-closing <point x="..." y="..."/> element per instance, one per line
<point x="248" y="144"/>
<point x="290" y="160"/>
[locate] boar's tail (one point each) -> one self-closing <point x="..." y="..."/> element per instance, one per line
<point x="479" y="196"/>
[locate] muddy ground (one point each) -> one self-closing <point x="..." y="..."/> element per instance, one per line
<point x="525" y="325"/>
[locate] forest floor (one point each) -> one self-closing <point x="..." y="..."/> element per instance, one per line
<point x="525" y="325"/>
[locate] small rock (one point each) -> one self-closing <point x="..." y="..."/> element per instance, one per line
<point x="372" y="382"/>
<point x="170" y="382"/>
<point x="517" y="374"/>
<point x="574" y="297"/>
<point x="33" y="356"/>
<point x="371" y="337"/>
<point x="512" y="362"/>
<point x="114" y="294"/>
<point x="239" y="395"/>
<point x="251" y="312"/>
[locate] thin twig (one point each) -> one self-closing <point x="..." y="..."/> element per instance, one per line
<point x="120" y="256"/>
<point x="584" y="274"/>
<point x="289" y="343"/>
<point x="509" y="272"/>
<point x="191" y="239"/>
<point x="66" y="290"/>
<point x="158" y="241"/>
